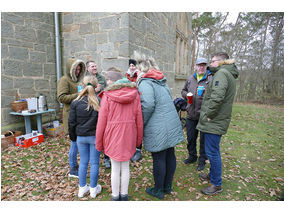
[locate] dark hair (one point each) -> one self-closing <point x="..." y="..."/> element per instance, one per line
<point x="221" y="55"/>
<point x="88" y="62"/>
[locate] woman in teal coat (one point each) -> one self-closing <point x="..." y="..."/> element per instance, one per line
<point x="162" y="127"/>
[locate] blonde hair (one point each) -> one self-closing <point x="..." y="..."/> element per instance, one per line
<point x="90" y="82"/>
<point x="144" y="64"/>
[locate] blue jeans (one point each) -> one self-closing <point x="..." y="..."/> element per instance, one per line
<point x="88" y="153"/>
<point x="73" y="154"/>
<point x="212" y="150"/>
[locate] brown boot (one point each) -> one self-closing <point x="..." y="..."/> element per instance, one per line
<point x="212" y="190"/>
<point x="204" y="177"/>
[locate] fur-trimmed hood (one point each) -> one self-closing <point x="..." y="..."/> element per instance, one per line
<point x="229" y="65"/>
<point x="71" y="65"/>
<point x="123" y="93"/>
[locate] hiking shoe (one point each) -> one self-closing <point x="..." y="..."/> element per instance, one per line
<point x="73" y="172"/>
<point x="83" y="190"/>
<point x="204" y="177"/>
<point x="212" y="190"/>
<point x="190" y="160"/>
<point x="168" y="189"/>
<point x="201" y="166"/>
<point x="137" y="155"/>
<point x="96" y="190"/>
<point x="124" y="198"/>
<point x="156" y="193"/>
<point x="107" y="163"/>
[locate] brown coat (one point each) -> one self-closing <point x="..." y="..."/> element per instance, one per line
<point x="67" y="88"/>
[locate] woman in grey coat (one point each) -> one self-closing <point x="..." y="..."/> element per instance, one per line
<point x="162" y="127"/>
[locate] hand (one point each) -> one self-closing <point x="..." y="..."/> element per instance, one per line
<point x="208" y="119"/>
<point x="98" y="88"/>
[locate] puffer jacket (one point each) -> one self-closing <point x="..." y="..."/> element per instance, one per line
<point x="191" y="85"/>
<point x="162" y="126"/>
<point x="218" y="100"/>
<point x="82" y="122"/>
<point x="120" y="124"/>
<point x="67" y="89"/>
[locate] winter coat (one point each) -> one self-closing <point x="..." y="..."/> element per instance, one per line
<point x="82" y="122"/>
<point x="131" y="76"/>
<point x="67" y="89"/>
<point x="120" y="124"/>
<point x="191" y="85"/>
<point x="162" y="126"/>
<point x="218" y="100"/>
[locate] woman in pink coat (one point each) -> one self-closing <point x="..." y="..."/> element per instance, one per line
<point x="119" y="129"/>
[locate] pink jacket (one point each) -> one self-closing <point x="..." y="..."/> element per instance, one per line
<point x="120" y="123"/>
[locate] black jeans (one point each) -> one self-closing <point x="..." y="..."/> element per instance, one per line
<point x="192" y="134"/>
<point x="164" y="166"/>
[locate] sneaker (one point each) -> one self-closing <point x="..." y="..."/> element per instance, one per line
<point x="158" y="194"/>
<point x="137" y="155"/>
<point x="95" y="190"/>
<point x="212" y="190"/>
<point x="201" y="166"/>
<point x="107" y="163"/>
<point x="124" y="198"/>
<point x="73" y="172"/>
<point x="204" y="177"/>
<point x="83" y="190"/>
<point x="190" y="160"/>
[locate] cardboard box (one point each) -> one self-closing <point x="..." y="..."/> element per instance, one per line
<point x="29" y="140"/>
<point x="50" y="130"/>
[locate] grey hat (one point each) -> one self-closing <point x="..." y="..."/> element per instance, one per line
<point x="201" y="61"/>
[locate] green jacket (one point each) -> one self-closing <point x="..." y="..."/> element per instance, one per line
<point x="218" y="100"/>
<point x="67" y="89"/>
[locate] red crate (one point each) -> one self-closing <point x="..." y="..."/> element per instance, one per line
<point x="28" y="140"/>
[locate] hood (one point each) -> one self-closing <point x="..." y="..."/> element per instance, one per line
<point x="229" y="65"/>
<point x="123" y="93"/>
<point x="155" y="76"/>
<point x="71" y="65"/>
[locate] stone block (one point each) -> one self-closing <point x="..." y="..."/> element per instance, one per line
<point x="42" y="84"/>
<point x="20" y="43"/>
<point x="86" y="28"/>
<point x="105" y="47"/>
<point x="121" y="63"/>
<point x="6" y="101"/>
<point x="96" y="27"/>
<point x="6" y="30"/>
<point x="30" y="69"/>
<point x="68" y="18"/>
<point x="112" y="54"/>
<point x="42" y="26"/>
<point x="50" y="54"/>
<point x="91" y="42"/>
<point x="49" y="69"/>
<point x="40" y="47"/>
<point x="37" y="57"/>
<point x="4" y="51"/>
<point x="124" y="21"/>
<point x="25" y="33"/>
<point x="44" y="37"/>
<point x="123" y="49"/>
<point x="12" y="68"/>
<point x="23" y="83"/>
<point x="107" y="23"/>
<point x="81" y="17"/>
<point x="102" y="38"/>
<point x="119" y="35"/>
<point x="6" y="83"/>
<point x="13" y="18"/>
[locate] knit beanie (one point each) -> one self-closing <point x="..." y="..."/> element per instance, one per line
<point x="132" y="61"/>
<point x="113" y="75"/>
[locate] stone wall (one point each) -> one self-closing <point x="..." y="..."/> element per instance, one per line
<point x="27" y="61"/>
<point x="102" y="37"/>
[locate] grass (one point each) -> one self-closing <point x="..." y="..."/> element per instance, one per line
<point x="252" y="156"/>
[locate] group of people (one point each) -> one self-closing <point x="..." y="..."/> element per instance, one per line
<point x="112" y="113"/>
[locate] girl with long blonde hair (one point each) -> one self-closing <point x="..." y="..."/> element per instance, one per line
<point x="82" y="121"/>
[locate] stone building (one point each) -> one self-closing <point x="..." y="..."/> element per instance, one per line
<point x="28" y="51"/>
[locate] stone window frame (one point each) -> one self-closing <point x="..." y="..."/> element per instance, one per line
<point x="182" y="49"/>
